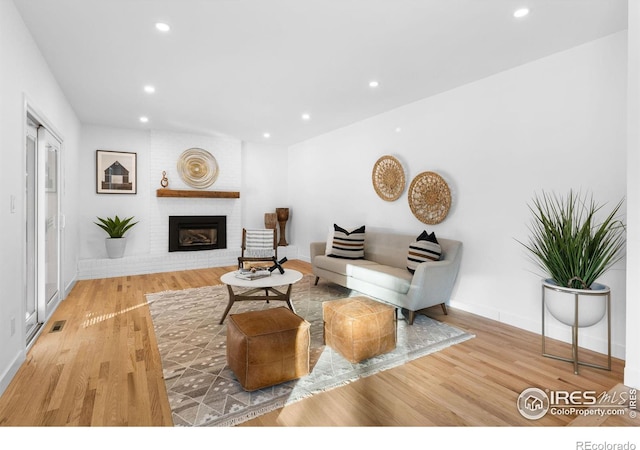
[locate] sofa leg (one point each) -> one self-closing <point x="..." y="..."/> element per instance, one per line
<point x="316" y="283"/>
<point x="408" y="315"/>
<point x="444" y="309"/>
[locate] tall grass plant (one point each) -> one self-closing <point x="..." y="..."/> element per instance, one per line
<point x="568" y="241"/>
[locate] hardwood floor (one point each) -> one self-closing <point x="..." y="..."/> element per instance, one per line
<point x="103" y="369"/>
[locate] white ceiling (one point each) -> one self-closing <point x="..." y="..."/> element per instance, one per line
<point x="245" y="67"/>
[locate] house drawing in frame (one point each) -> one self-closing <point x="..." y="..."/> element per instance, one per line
<point x="115" y="172"/>
<point x="116" y="176"/>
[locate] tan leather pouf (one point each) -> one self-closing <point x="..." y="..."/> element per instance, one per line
<point x="359" y="327"/>
<point x="267" y="347"/>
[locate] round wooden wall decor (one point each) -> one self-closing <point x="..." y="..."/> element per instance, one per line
<point x="388" y="178"/>
<point x="429" y="198"/>
<point x="198" y="168"/>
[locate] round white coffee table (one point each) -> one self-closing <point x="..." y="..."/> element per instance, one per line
<point x="265" y="286"/>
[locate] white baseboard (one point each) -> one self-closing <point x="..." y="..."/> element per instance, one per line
<point x="70" y="285"/>
<point x="554" y="330"/>
<point x="11" y="371"/>
<point x="478" y="310"/>
<point x="632" y="377"/>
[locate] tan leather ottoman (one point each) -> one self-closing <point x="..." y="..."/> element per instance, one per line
<point x="267" y="347"/>
<point x="359" y="327"/>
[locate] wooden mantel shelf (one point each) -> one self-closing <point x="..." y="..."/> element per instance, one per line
<point x="184" y="193"/>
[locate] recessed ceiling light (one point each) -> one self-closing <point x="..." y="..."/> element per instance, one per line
<point x="144" y="119"/>
<point x="160" y="26"/>
<point x="149" y="89"/>
<point x="519" y="13"/>
<point x="306" y="116"/>
<point x="267" y="135"/>
<point x="398" y="129"/>
<point x="374" y="84"/>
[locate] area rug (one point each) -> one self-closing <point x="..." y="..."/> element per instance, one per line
<point x="203" y="391"/>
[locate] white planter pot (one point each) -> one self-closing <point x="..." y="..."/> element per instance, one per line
<point x="116" y="247"/>
<point x="561" y="303"/>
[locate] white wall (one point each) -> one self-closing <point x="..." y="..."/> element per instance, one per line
<point x="632" y="362"/>
<point x="265" y="188"/>
<point x="264" y="182"/>
<point x="553" y="124"/>
<point x="25" y="74"/>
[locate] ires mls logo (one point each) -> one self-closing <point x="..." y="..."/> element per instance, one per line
<point x="534" y="403"/>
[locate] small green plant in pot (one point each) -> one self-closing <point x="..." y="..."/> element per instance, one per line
<point x="116" y="229"/>
<point x="574" y="248"/>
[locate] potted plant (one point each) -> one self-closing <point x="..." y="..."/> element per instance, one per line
<point x="115" y="228"/>
<point x="574" y="249"/>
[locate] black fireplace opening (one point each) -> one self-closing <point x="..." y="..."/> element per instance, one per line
<point x="193" y="233"/>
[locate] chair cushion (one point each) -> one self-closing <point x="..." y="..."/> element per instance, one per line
<point x="425" y="248"/>
<point x="259" y="243"/>
<point x="348" y="244"/>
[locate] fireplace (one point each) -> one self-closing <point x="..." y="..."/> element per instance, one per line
<point x="193" y="233"/>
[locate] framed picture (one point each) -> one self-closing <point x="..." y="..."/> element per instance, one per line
<point x="116" y="172"/>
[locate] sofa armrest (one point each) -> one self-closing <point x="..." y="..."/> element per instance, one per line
<point x="433" y="282"/>
<point x="317" y="248"/>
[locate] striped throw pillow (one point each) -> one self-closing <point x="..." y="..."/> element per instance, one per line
<point x="425" y="248"/>
<point x="347" y="244"/>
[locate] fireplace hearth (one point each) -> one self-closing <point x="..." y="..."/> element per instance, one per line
<point x="194" y="233"/>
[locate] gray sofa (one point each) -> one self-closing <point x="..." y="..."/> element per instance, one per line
<point x="383" y="274"/>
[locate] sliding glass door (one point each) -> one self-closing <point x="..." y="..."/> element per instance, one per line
<point x="42" y="280"/>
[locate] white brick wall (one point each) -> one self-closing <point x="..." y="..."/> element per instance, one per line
<point x="162" y="153"/>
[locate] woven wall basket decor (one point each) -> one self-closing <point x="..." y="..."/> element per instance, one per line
<point x="388" y="178"/>
<point x="429" y="198"/>
<point x="198" y="168"/>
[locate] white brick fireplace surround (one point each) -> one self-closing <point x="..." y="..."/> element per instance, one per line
<point x="148" y="247"/>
